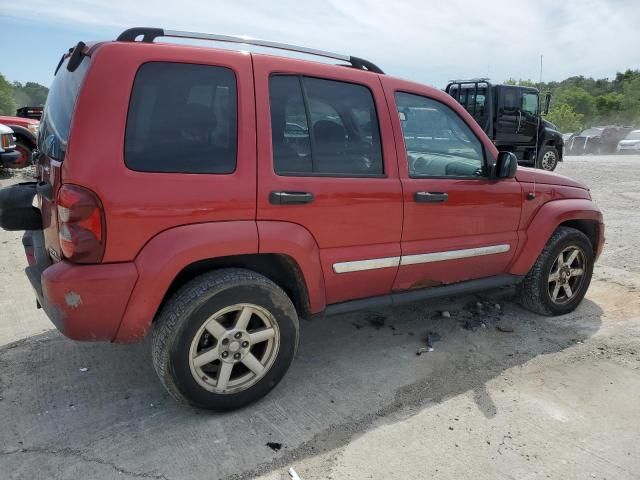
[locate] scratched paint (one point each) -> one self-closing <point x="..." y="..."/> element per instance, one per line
<point x="73" y="299"/>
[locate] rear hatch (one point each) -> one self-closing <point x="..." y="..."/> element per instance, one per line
<point x="53" y="141"/>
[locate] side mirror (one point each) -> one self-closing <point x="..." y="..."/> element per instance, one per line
<point x="507" y="165"/>
<point x="547" y="104"/>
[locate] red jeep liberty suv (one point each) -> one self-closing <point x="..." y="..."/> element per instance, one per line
<point x="212" y="197"/>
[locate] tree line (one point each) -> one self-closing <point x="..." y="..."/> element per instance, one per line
<point x="581" y="102"/>
<point x="577" y="102"/>
<point x="15" y="95"/>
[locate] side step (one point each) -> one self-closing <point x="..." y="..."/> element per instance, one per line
<point x="394" y="299"/>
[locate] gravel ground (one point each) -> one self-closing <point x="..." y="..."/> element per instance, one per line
<point x="556" y="398"/>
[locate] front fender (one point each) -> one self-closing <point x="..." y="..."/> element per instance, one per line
<point x="545" y="222"/>
<point x="167" y="254"/>
<point x="19" y="131"/>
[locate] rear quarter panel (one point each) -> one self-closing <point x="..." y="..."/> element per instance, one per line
<point x="140" y="205"/>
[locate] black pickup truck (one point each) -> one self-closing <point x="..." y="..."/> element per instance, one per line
<point x="512" y="117"/>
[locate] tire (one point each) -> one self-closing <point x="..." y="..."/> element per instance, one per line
<point x="220" y="300"/>
<point x="548" y="159"/>
<point x="536" y="292"/>
<point x="25" y="154"/>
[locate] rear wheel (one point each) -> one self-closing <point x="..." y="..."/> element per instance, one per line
<point x="548" y="159"/>
<point x="225" y="339"/>
<point x="558" y="281"/>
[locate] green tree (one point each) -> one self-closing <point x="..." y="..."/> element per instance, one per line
<point x="631" y="100"/>
<point x="565" y="118"/>
<point x="30" y="94"/>
<point x="609" y="105"/>
<point x="7" y="103"/>
<point x="578" y="99"/>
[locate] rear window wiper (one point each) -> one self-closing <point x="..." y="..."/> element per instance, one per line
<point x="75" y="58"/>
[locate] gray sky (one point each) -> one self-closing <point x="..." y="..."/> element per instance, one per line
<point x="426" y="41"/>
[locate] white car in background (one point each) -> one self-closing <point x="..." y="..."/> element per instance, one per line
<point x="630" y="143"/>
<point x="8" y="154"/>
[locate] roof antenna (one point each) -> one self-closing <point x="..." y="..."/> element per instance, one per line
<point x="532" y="195"/>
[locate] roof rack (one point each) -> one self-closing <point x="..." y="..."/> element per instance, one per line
<point x="472" y="80"/>
<point x="150" y="34"/>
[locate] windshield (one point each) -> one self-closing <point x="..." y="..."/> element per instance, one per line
<point x="635" y="135"/>
<point x="58" y="111"/>
<point x="591" y="132"/>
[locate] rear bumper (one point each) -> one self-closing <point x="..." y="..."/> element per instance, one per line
<point x="9" y="159"/>
<point x="84" y="302"/>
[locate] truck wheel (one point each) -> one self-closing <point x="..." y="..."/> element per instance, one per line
<point x="558" y="281"/>
<point x="25" y="154"/>
<point x="225" y="339"/>
<point x="548" y="159"/>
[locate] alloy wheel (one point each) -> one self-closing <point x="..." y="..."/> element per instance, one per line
<point x="567" y="275"/>
<point x="234" y="348"/>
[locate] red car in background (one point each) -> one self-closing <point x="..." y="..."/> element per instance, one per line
<point x="26" y="131"/>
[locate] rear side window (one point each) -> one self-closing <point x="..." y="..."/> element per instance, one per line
<point x="182" y="118"/>
<point x="61" y="102"/>
<point x="323" y="127"/>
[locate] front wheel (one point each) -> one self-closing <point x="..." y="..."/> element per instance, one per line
<point x="548" y="159"/>
<point x="25" y="154"/>
<point x="558" y="281"/>
<point x="225" y="339"/>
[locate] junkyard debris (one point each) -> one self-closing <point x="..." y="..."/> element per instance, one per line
<point x="293" y="474"/>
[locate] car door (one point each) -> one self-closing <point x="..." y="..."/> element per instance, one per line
<point x="528" y="117"/>
<point x="507" y="114"/>
<point x="459" y="224"/>
<point x="327" y="162"/>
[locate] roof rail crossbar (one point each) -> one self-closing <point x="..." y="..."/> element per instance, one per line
<point x="150" y="34"/>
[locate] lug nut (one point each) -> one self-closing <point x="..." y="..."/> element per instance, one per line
<point x="225" y="341"/>
<point x="236" y="356"/>
<point x="238" y="335"/>
<point x="245" y="344"/>
<point x="224" y="354"/>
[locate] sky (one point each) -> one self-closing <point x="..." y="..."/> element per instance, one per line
<point x="423" y="40"/>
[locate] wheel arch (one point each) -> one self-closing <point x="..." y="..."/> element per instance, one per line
<point x="580" y="214"/>
<point x="286" y="253"/>
<point x="22" y="133"/>
<point x="279" y="268"/>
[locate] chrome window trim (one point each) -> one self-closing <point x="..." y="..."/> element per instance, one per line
<point x="387" y="262"/>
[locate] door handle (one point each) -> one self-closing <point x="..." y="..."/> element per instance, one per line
<point x="290" y="198"/>
<point x="431" y="197"/>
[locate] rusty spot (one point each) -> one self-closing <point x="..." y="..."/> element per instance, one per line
<point x="73" y="299"/>
<point x="425" y="283"/>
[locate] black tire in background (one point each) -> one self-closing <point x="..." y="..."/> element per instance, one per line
<point x="534" y="291"/>
<point x="191" y="307"/>
<point x="548" y="158"/>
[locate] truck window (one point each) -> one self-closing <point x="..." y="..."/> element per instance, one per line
<point x="323" y="127"/>
<point x="182" y="118"/>
<point x="530" y="103"/>
<point x="437" y="141"/>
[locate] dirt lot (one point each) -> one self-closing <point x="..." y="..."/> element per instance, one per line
<point x="556" y="398"/>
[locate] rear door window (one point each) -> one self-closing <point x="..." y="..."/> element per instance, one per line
<point x="323" y="127"/>
<point x="182" y="118"/>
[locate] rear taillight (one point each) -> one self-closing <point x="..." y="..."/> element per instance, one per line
<point x="80" y="224"/>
